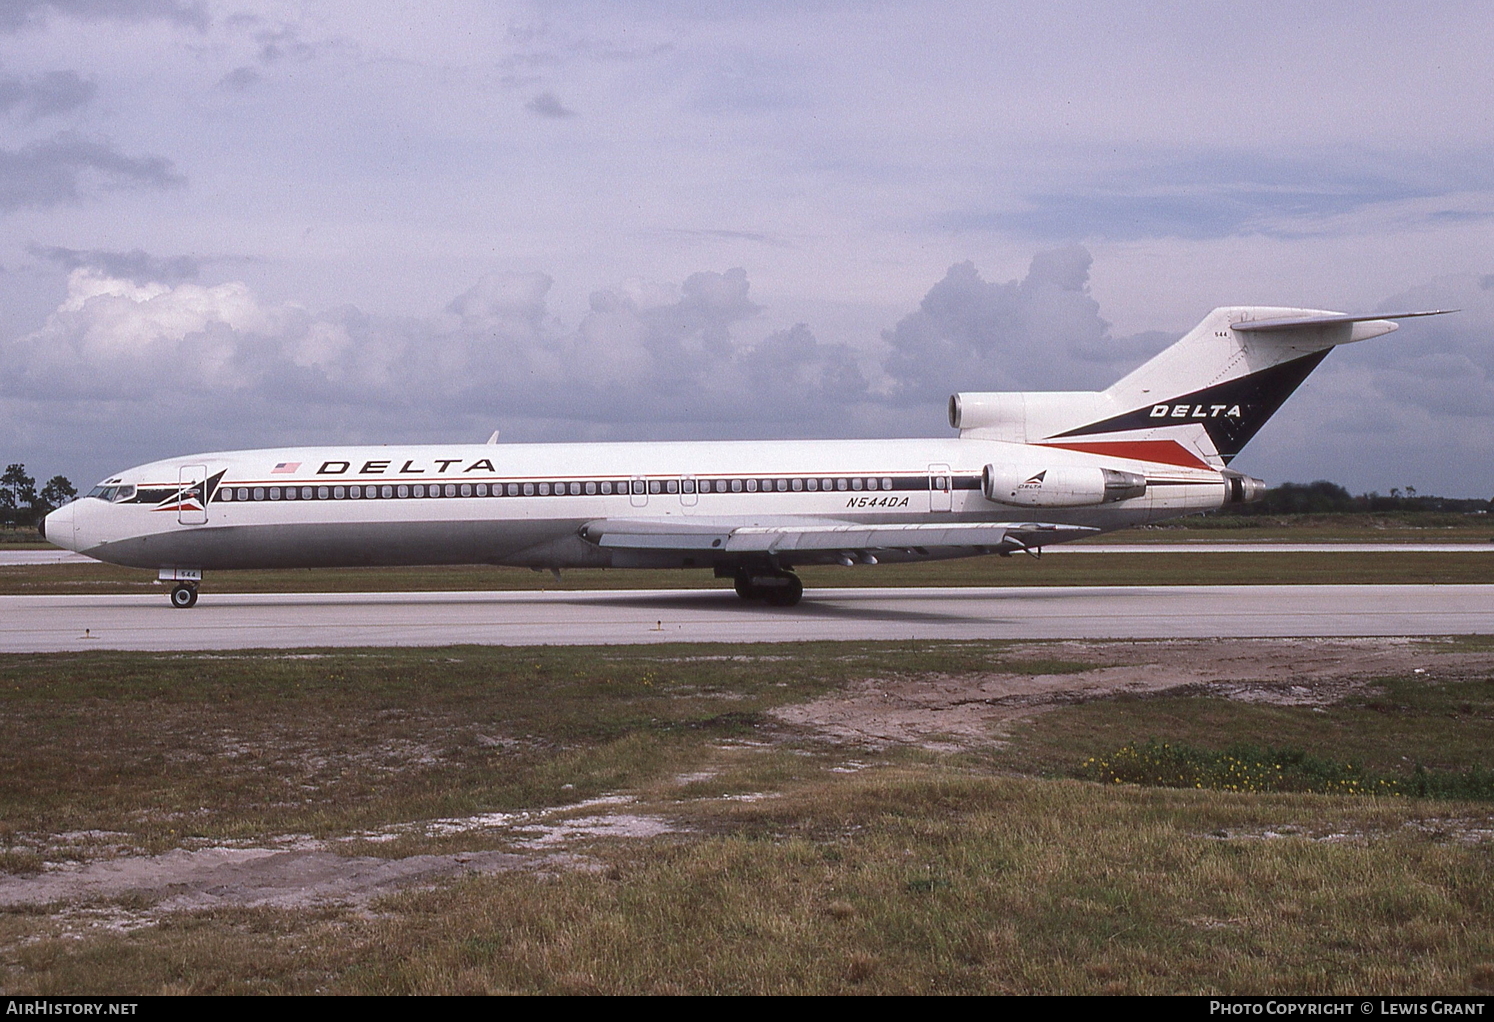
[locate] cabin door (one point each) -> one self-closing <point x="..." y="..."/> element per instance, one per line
<point x="941" y="484"/>
<point x="191" y="496"/>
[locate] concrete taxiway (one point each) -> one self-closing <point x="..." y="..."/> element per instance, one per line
<point x="229" y="621"/>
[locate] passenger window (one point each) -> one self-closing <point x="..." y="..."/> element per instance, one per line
<point x="259" y="493"/>
<point x="403" y="492"/>
<point x="450" y="490"/>
<point x="387" y="492"/>
<point x="798" y="485"/>
<point x="638" y="486"/>
<point x="812" y="485"/>
<point x="687" y="486"/>
<point x="575" y="489"/>
<point x="654" y="487"/>
<point x="274" y="493"/>
<point x="736" y="486"/>
<point x="482" y="489"/>
<point x="672" y="485"/>
<point x="828" y="484"/>
<point x="243" y="493"/>
<point x="528" y="489"/>
<point x="225" y="494"/>
<point x="513" y="489"/>
<point x="305" y="493"/>
<point x="466" y="489"/>
<point x="544" y="489"/>
<point x="886" y="482"/>
<point x="591" y="488"/>
<point x="338" y="492"/>
<point x="322" y="492"/>
<point x="781" y="485"/>
<point x="752" y="486"/>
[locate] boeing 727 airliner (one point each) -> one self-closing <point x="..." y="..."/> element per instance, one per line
<point x="1027" y="470"/>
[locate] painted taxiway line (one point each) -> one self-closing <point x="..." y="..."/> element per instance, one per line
<point x="229" y="621"/>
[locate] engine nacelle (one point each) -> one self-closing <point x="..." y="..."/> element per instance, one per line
<point x="1059" y="486"/>
<point x="1242" y="489"/>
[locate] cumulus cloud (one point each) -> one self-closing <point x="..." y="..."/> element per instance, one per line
<point x="56" y="92"/>
<point x="58" y="170"/>
<point x="1043" y="332"/>
<point x="18" y="14"/>
<point x="277" y="372"/>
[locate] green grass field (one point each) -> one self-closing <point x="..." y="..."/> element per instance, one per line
<point x="790" y="864"/>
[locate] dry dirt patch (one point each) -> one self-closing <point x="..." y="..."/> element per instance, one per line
<point x="947" y="713"/>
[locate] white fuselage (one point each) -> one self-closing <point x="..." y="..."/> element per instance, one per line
<point x="528" y="504"/>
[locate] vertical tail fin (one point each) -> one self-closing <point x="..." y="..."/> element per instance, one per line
<point x="1199" y="402"/>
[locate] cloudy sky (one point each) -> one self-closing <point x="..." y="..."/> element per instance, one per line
<point x="236" y="223"/>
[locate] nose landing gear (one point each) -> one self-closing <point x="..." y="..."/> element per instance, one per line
<point x="184" y="592"/>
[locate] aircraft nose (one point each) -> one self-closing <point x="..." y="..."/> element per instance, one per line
<point x="58" y="528"/>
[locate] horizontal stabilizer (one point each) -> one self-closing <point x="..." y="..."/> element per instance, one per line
<point x="849" y="536"/>
<point x="1262" y="326"/>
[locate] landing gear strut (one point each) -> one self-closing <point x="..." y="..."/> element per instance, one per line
<point x="779" y="588"/>
<point x="184" y="595"/>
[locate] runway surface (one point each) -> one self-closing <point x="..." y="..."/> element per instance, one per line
<point x="228" y="621"/>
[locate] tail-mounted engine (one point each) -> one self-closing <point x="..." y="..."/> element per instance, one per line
<point x="1242" y="489"/>
<point x="1059" y="486"/>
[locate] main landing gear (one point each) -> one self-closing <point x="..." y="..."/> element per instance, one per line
<point x="778" y="588"/>
<point x="184" y="595"/>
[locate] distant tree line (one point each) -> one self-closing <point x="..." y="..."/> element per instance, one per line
<point x="1323" y="498"/>
<point x="21" y="504"/>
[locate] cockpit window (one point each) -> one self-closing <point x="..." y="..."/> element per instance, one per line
<point x="104" y="493"/>
<point x="124" y="494"/>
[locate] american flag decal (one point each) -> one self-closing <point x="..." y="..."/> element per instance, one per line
<point x="284" y="467"/>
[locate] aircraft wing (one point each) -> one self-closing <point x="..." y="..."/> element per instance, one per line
<point x="707" y="536"/>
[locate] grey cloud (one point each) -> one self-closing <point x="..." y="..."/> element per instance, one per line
<point x="1443" y="365"/>
<point x="1042" y="332"/>
<point x="766" y="239"/>
<point x="277" y="44"/>
<point x="53" y="172"/>
<point x="55" y="92"/>
<point x="240" y="78"/>
<point x="547" y="105"/>
<point x="136" y="265"/>
<point x="1224" y="194"/>
<point x="19" y="14"/>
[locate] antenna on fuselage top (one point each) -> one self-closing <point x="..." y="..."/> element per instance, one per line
<point x="494" y="438"/>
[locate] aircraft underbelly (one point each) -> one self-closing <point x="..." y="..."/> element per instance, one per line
<point x="335" y="544"/>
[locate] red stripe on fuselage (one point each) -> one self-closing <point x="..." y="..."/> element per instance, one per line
<point x="1165" y="452"/>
